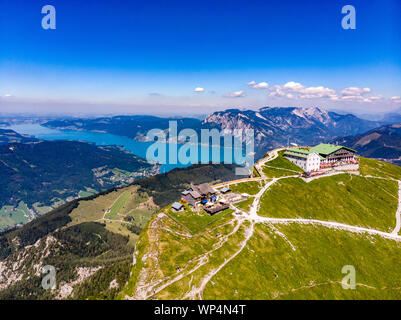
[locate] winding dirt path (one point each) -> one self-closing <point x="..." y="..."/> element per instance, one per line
<point x="198" y="291"/>
<point x="398" y="213"/>
<point x="148" y="289"/>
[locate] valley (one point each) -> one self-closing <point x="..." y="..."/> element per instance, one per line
<point x="39" y="176"/>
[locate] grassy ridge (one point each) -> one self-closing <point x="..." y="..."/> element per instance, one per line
<point x="280" y="167"/>
<point x="251" y="187"/>
<point x="379" y="169"/>
<point x="116" y="208"/>
<point x="313" y="270"/>
<point x="198" y="221"/>
<point x="345" y="198"/>
<point x="291" y="261"/>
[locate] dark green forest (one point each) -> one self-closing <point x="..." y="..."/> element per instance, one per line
<point x="42" y="171"/>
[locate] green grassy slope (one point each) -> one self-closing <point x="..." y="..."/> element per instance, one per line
<point x="313" y="270"/>
<point x="344" y="198"/>
<point x="118" y="206"/>
<point x="234" y="260"/>
<point x="280" y="167"/>
<point x="195" y="222"/>
<point x="251" y="187"/>
<point x="379" y="169"/>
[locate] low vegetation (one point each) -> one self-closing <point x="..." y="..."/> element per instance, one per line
<point x="313" y="270"/>
<point x="179" y="253"/>
<point x="118" y="206"/>
<point x="197" y="221"/>
<point x="245" y="204"/>
<point x="251" y="187"/>
<point x="280" y="167"/>
<point x="344" y="198"/>
<point x="379" y="169"/>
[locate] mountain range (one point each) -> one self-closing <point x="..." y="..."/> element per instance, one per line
<point x="380" y="143"/>
<point x="273" y="127"/>
<point x="135" y="127"/>
<point x="108" y="234"/>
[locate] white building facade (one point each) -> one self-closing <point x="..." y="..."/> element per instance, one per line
<point x="321" y="156"/>
<point x="312" y="162"/>
<point x="306" y="160"/>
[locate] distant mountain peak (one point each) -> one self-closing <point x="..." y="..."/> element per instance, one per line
<point x="274" y="126"/>
<point x="314" y="113"/>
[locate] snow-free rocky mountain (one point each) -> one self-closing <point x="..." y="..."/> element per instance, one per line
<point x="274" y="127"/>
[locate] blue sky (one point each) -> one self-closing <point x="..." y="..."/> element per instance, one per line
<point x="149" y="56"/>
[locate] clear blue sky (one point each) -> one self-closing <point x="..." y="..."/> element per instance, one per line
<point x="149" y="56"/>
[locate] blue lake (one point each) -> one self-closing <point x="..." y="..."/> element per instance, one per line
<point x="203" y="154"/>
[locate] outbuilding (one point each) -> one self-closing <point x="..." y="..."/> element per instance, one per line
<point x="225" y="190"/>
<point x="177" y="206"/>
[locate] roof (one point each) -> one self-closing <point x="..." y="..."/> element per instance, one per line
<point x="185" y="192"/>
<point x="225" y="189"/>
<point x="322" y="149"/>
<point x="300" y="155"/>
<point x="300" y="152"/>
<point x="188" y="198"/>
<point x="176" y="206"/>
<point x="204" y="189"/>
<point x="326" y="149"/>
<point x="195" y="194"/>
<point x="297" y="152"/>
<point x="216" y="208"/>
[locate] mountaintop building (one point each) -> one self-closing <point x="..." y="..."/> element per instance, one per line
<point x="204" y="189"/>
<point x="197" y="193"/>
<point x="320" y="157"/>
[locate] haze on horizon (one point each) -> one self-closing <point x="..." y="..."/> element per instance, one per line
<point x="192" y="58"/>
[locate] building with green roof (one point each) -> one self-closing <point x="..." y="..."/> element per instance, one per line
<point x="326" y="149"/>
<point x="321" y="156"/>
